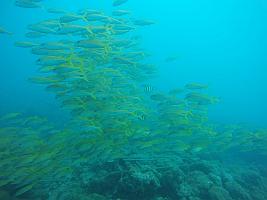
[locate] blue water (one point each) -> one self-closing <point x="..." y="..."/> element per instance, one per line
<point x="223" y="44"/>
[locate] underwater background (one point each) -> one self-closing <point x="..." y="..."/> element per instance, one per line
<point x="138" y="100"/>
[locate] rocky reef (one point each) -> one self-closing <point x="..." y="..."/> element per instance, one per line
<point x="183" y="178"/>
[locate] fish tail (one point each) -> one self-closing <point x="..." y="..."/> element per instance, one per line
<point x="89" y="30"/>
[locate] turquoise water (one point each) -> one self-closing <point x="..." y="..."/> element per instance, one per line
<point x="108" y="127"/>
<point x="219" y="43"/>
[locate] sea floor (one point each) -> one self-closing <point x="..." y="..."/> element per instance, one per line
<point x="187" y="177"/>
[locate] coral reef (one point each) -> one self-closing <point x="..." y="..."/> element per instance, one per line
<point x="190" y="178"/>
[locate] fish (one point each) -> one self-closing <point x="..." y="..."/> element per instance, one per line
<point x="200" y="99"/>
<point x="10" y="116"/>
<point x="122" y="43"/>
<point x="27" y="4"/>
<point x="142" y="117"/>
<point x="143" y="22"/>
<point x="97" y="17"/>
<point x="122" y="27"/>
<point x="120" y="12"/>
<point x="70" y="18"/>
<point x="99" y="29"/>
<point x="50" y="23"/>
<point x="56" y="87"/>
<point x="90" y="44"/>
<point x="123" y="61"/>
<point x="24" y="189"/>
<point x="158" y="97"/>
<point x="85" y="12"/>
<point x="196" y="86"/>
<point x="120" y="32"/>
<point x="119" y="2"/>
<point x="66" y="29"/>
<point x="34" y="35"/>
<point x="39" y="50"/>
<point x="148" y="88"/>
<point x="181" y="145"/>
<point x="51" y="61"/>
<point x="44" y="28"/>
<point x="56" y="45"/>
<point x="44" y="80"/>
<point x="55" y="11"/>
<point x="26" y="44"/>
<point x="171" y="59"/>
<point x="176" y="91"/>
<point x="3" y="31"/>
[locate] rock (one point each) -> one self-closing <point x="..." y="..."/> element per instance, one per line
<point x="252" y="178"/>
<point x="185" y="191"/>
<point x="196" y="185"/>
<point x="4" y="195"/>
<point x="95" y="196"/>
<point x="236" y="191"/>
<point x="170" y="181"/>
<point x="215" y="179"/>
<point x="194" y="198"/>
<point x="259" y="195"/>
<point x="227" y="177"/>
<point x="161" y="198"/>
<point x="146" y="178"/>
<point x="219" y="193"/>
<point x="200" y="180"/>
<point x="203" y="166"/>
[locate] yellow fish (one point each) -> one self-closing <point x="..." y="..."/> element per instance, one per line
<point x="3" y="31"/>
<point x="119" y="2"/>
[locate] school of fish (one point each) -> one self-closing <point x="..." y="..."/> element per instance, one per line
<point x="93" y="64"/>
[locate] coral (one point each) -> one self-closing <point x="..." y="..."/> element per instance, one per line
<point x="5" y="195"/>
<point x="252" y="177"/>
<point x="161" y="198"/>
<point x="148" y="180"/>
<point x="216" y="179"/>
<point x="94" y="196"/>
<point x="125" y="181"/>
<point x="236" y="191"/>
<point x="218" y="193"/>
<point x="204" y="166"/>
